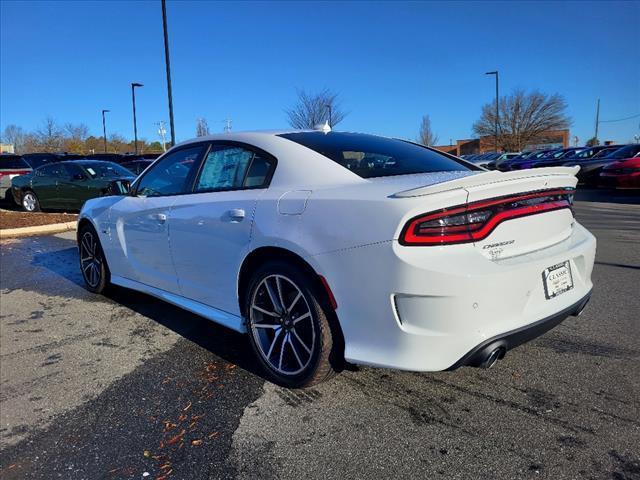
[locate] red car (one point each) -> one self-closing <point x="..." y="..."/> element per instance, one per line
<point x="622" y="174"/>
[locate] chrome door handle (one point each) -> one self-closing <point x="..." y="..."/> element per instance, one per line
<point x="160" y="217"/>
<point x="236" y="213"/>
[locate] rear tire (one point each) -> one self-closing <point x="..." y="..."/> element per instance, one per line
<point x="288" y="325"/>
<point x="93" y="264"/>
<point x="30" y="202"/>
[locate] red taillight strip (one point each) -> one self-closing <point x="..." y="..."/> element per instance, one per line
<point x="475" y="232"/>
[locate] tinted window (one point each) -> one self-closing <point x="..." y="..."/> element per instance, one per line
<point x="370" y="156"/>
<point x="625" y="152"/>
<point x="172" y="174"/>
<point x="39" y="160"/>
<point x="105" y="170"/>
<point x="259" y="171"/>
<point x="12" y="162"/>
<point x="53" y="170"/>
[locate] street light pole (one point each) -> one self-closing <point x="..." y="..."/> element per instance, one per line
<point x="497" y="108"/>
<point x="104" y="130"/>
<point x="135" y="125"/>
<point x="168" y="68"/>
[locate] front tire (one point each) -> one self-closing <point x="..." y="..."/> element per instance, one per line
<point x="288" y="325"/>
<point x="30" y="202"/>
<point x="92" y="261"/>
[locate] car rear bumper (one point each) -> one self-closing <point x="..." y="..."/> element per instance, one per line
<point x="514" y="338"/>
<point x="427" y="308"/>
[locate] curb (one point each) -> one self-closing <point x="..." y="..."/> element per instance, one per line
<point x="37" y="230"/>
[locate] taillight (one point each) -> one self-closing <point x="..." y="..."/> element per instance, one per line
<point x="475" y="221"/>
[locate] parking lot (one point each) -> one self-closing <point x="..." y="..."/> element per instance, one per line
<point x="130" y="387"/>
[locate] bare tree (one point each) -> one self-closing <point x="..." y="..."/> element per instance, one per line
<point x="118" y="144"/>
<point x="202" y="127"/>
<point x="592" y="142"/>
<point x="49" y="136"/>
<point x="14" y="135"/>
<point x="426" y="135"/>
<point x="315" y="109"/>
<point x="525" y="118"/>
<point x="75" y="137"/>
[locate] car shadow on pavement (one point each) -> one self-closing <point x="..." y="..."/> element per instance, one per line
<point x="223" y="342"/>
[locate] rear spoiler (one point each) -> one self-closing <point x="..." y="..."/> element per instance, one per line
<point x="484" y="178"/>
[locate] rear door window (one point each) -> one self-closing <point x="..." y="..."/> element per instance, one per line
<point x="231" y="167"/>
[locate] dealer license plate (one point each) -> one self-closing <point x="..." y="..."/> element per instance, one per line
<point x="557" y="280"/>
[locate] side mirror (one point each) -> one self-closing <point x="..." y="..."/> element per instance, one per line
<point x="119" y="187"/>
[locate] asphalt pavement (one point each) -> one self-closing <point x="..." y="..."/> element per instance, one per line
<point x="128" y="387"/>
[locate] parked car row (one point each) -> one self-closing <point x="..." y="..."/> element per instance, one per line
<point x="73" y="173"/>
<point x="604" y="165"/>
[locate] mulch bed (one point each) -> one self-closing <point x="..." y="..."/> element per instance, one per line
<point x="9" y="219"/>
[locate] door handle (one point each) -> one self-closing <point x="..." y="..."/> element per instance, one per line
<point x="160" y="217"/>
<point x="236" y="214"/>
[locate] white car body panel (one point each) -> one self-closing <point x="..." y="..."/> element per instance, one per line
<point x="415" y="308"/>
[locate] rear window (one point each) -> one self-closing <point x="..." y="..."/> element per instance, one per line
<point x="625" y="152"/>
<point x="370" y="156"/>
<point x="11" y="162"/>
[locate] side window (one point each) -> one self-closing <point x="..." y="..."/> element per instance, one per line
<point x="54" y="170"/>
<point x="72" y="170"/>
<point x="224" y="169"/>
<point x="171" y="175"/>
<point x="259" y="171"/>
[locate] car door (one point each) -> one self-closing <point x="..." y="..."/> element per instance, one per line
<point x="139" y="222"/>
<point x="45" y="184"/>
<point x="211" y="227"/>
<point x="73" y="187"/>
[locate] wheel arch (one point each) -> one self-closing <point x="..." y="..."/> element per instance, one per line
<point x="83" y="222"/>
<point x="260" y="255"/>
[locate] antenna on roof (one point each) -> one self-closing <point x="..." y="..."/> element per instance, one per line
<point x="324" y="128"/>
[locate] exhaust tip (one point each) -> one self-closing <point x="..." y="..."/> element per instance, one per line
<point x="493" y="356"/>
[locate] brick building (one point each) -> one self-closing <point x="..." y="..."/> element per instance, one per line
<point x="469" y="146"/>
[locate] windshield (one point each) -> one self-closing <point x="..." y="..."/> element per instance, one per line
<point x="105" y="170"/>
<point x="369" y="156"/>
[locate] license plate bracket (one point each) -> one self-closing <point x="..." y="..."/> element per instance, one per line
<point x="557" y="279"/>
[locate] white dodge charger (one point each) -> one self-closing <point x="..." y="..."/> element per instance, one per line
<point x="330" y="247"/>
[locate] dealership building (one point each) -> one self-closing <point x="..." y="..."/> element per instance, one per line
<point x="470" y="146"/>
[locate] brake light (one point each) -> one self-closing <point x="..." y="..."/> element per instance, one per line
<point x="475" y="221"/>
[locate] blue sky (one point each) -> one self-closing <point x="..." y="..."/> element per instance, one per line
<point x="391" y="62"/>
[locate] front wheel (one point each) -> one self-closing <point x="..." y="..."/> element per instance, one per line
<point x="30" y="202"/>
<point x="92" y="262"/>
<point x="288" y="326"/>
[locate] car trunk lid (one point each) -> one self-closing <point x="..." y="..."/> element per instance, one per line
<point x="522" y="211"/>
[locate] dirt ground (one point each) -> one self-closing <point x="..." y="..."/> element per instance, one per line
<point x="11" y="219"/>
